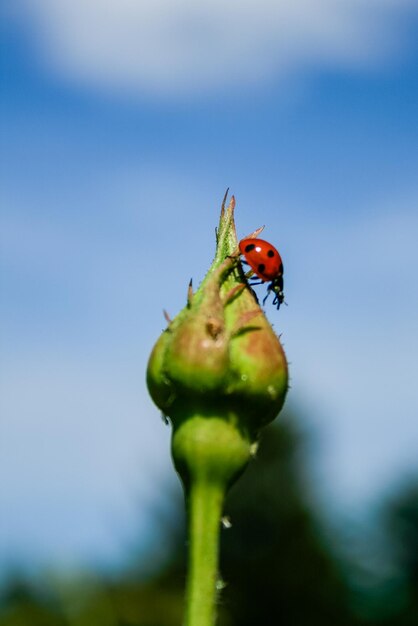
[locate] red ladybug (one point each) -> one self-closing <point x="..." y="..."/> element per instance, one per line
<point x="266" y="263"/>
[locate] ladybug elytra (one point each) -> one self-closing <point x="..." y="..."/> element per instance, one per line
<point x="266" y="263"/>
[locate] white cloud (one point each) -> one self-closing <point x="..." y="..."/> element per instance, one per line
<point x="166" y="48"/>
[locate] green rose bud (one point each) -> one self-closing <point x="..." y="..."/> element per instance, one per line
<point x="220" y="356"/>
<point x="219" y="372"/>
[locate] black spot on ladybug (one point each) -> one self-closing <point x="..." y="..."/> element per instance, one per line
<point x="270" y="253"/>
<point x="250" y="247"/>
<point x="261" y="268"/>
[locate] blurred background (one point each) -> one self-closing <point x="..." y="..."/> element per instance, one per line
<point x="122" y="124"/>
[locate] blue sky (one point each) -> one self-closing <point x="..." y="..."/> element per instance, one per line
<point x="122" y="124"/>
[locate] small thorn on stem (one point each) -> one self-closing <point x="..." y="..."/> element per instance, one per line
<point x="223" y="202"/>
<point x="226" y="522"/>
<point x="254" y="449"/>
<point x="190" y="293"/>
<point x="255" y="233"/>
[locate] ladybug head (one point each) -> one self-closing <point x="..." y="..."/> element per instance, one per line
<point x="278" y="299"/>
<point x="278" y="294"/>
<point x="276" y="286"/>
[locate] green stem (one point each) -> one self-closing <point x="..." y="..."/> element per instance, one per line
<point x="205" y="510"/>
<point x="209" y="453"/>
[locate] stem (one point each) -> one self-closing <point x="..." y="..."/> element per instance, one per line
<point x="205" y="509"/>
<point x="209" y="453"/>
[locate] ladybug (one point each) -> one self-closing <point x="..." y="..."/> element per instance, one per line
<point x="266" y="263"/>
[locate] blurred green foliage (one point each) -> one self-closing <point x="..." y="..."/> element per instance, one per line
<point x="278" y="560"/>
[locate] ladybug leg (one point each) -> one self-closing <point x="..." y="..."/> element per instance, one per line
<point x="279" y="299"/>
<point x="267" y="295"/>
